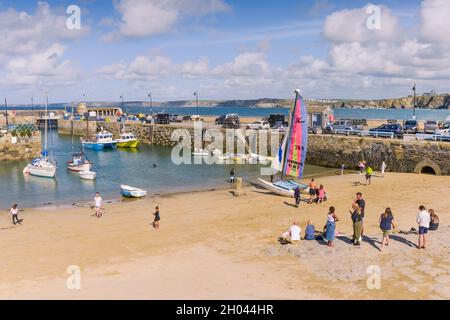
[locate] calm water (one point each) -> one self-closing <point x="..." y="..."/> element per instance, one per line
<point x="397" y="114"/>
<point x="113" y="168"/>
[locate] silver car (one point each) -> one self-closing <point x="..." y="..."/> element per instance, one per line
<point x="431" y="126"/>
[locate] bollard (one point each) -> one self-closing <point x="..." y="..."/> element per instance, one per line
<point x="238" y="187"/>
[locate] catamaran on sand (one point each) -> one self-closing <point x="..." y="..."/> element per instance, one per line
<point x="290" y="160"/>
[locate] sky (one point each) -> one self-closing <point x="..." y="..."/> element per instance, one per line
<point x="224" y="49"/>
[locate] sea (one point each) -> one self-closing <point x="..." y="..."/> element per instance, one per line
<point x="136" y="167"/>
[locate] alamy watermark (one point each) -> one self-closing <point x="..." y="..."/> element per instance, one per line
<point x="374" y="277"/>
<point x="73" y="282"/>
<point x="73" y="22"/>
<point x="373" y="22"/>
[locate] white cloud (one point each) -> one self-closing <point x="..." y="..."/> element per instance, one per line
<point x="351" y="26"/>
<point x="249" y="64"/>
<point x="144" y="18"/>
<point x="435" y="20"/>
<point x="195" y="69"/>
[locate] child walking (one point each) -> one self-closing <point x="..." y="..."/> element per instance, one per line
<point x="15" y="214"/>
<point x="157" y="218"/>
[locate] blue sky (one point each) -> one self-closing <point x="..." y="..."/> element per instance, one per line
<point x="226" y="49"/>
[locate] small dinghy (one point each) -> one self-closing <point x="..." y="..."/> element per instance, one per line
<point x="132" y="192"/>
<point x="87" y="175"/>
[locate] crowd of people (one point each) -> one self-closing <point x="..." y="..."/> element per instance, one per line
<point x="426" y="220"/>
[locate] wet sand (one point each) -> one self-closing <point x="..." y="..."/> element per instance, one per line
<point x="212" y="245"/>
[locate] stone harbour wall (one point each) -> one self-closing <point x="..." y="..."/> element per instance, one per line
<point x="20" y="148"/>
<point x="399" y="155"/>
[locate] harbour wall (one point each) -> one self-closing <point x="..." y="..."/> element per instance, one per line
<point x="399" y="155"/>
<point x="323" y="150"/>
<point x="19" y="148"/>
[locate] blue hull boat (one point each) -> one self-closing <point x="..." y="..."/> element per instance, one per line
<point x="102" y="140"/>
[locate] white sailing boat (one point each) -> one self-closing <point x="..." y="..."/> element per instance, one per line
<point x="42" y="167"/>
<point x="291" y="156"/>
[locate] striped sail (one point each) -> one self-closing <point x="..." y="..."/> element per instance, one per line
<point x="297" y="140"/>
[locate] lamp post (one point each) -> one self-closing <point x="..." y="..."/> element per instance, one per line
<point x="6" y="110"/>
<point x="32" y="106"/>
<point x="123" y="110"/>
<point x="150" y="103"/>
<point x="196" y="100"/>
<point x="414" y="102"/>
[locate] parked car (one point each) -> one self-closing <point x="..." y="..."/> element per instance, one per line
<point x="232" y="121"/>
<point x="345" y="125"/>
<point x="411" y="126"/>
<point x="162" y="118"/>
<point x="444" y="131"/>
<point x="220" y="120"/>
<point x="431" y="126"/>
<point x="259" y="125"/>
<point x="396" y="129"/>
<point x="175" y="118"/>
<point x="187" y="118"/>
<point x="277" y="119"/>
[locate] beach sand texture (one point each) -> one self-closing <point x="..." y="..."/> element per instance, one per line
<point x="212" y="245"/>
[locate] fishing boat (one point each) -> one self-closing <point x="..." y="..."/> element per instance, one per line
<point x="132" y="192"/>
<point x="199" y="152"/>
<point x="102" y="140"/>
<point x="79" y="163"/>
<point x="290" y="160"/>
<point x="127" y="140"/>
<point x="42" y="167"/>
<point x="87" y="175"/>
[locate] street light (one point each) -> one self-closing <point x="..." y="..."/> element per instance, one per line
<point x="32" y="106"/>
<point x="196" y="100"/>
<point x="123" y="110"/>
<point x="414" y="102"/>
<point x="6" y="108"/>
<point x="150" y="102"/>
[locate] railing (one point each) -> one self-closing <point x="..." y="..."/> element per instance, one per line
<point x="382" y="134"/>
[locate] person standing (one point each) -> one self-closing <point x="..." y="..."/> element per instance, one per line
<point x="330" y="227"/>
<point x="357" y="224"/>
<point x="157" y="218"/>
<point x="386" y="225"/>
<point x="312" y="190"/>
<point x="232" y="173"/>
<point x="362" y="167"/>
<point x="362" y="205"/>
<point x="342" y="169"/>
<point x="321" y="194"/>
<point x="15" y="214"/>
<point x="297" y="196"/>
<point x="383" y="169"/>
<point x="98" y="205"/>
<point x="369" y="172"/>
<point x="423" y="220"/>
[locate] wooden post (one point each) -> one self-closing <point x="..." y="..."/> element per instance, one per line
<point x="238" y="187"/>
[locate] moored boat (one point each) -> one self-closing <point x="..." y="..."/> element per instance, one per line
<point x="78" y="163"/>
<point x="132" y="192"/>
<point x="127" y="140"/>
<point x="87" y="175"/>
<point x="102" y="140"/>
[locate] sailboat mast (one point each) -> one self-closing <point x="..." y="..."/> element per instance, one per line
<point x="46" y="124"/>
<point x="289" y="134"/>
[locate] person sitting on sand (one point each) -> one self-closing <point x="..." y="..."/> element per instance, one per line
<point x="434" y="224"/>
<point x="357" y="224"/>
<point x="330" y="227"/>
<point x="321" y="195"/>
<point x="423" y="220"/>
<point x="15" y="214"/>
<point x="312" y="190"/>
<point x="293" y="234"/>
<point x="386" y="225"/>
<point x="157" y="218"/>
<point x="310" y="231"/>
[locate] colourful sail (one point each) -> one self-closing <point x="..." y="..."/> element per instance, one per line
<point x="297" y="141"/>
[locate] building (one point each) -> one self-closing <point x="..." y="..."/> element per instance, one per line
<point x="83" y="109"/>
<point x="319" y="116"/>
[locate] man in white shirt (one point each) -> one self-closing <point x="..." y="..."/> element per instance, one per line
<point x="423" y="220"/>
<point x="293" y="234"/>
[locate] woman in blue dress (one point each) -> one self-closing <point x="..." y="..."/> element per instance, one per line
<point x="330" y="227"/>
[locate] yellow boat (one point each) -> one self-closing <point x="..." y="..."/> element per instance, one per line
<point x="127" y="140"/>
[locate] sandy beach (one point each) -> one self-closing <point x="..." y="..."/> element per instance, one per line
<point x="212" y="245"/>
